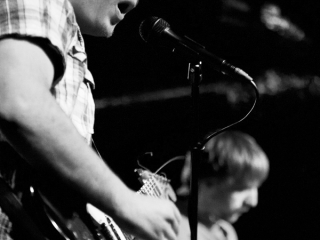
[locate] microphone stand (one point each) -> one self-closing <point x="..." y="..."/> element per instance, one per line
<point x="195" y="77"/>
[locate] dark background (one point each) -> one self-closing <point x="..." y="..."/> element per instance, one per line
<point x="144" y="102"/>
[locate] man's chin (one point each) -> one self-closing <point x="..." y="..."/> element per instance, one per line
<point x="101" y="31"/>
<point x="107" y="33"/>
<point x="109" y="30"/>
<point x="233" y="218"/>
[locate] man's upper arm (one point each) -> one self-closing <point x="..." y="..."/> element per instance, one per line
<point x="49" y="24"/>
<point x="25" y="69"/>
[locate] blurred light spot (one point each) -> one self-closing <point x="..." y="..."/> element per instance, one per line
<point x="270" y="82"/>
<point x="274" y="21"/>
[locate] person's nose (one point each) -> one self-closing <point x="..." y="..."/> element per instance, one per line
<point x="126" y="6"/>
<point x="252" y="198"/>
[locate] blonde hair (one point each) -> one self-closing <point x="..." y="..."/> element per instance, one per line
<point x="228" y="157"/>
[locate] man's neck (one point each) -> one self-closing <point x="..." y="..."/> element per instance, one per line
<point x="207" y="220"/>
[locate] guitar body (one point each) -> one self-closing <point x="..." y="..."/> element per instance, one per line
<point x="60" y="218"/>
<point x="69" y="218"/>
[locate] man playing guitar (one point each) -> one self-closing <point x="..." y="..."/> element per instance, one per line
<point x="47" y="110"/>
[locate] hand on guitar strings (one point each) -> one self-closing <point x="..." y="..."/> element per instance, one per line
<point x="158" y="219"/>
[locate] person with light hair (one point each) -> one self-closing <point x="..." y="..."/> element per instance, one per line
<point x="232" y="168"/>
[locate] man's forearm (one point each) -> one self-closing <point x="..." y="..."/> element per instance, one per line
<point x="46" y="138"/>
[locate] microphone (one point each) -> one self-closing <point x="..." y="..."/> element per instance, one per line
<point x="157" y="31"/>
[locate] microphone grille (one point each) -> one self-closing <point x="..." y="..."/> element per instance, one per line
<point x="151" y="28"/>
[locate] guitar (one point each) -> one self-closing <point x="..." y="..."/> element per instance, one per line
<point x="92" y="224"/>
<point x="152" y="185"/>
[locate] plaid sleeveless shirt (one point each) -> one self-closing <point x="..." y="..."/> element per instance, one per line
<point x="53" y="23"/>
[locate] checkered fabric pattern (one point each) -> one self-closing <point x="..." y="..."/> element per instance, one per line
<point x="54" y="21"/>
<point x="5" y="226"/>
